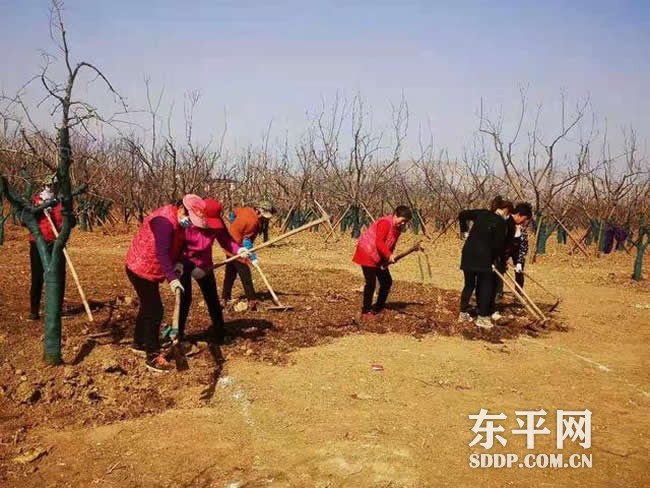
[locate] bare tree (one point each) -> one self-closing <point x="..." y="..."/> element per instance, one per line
<point x="75" y="114"/>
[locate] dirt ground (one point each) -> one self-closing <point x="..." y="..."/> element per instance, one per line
<point x="293" y="399"/>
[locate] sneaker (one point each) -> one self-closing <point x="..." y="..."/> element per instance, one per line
<point x="496" y="316"/>
<point x="464" y="317"/>
<point x="138" y="350"/>
<point x="484" y="322"/>
<point x="159" y="364"/>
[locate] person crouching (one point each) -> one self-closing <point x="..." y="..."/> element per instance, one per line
<point x="374" y="253"/>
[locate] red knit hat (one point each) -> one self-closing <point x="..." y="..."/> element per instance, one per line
<point x="213" y="209"/>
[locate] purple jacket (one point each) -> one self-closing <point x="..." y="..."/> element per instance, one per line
<point x="197" y="252"/>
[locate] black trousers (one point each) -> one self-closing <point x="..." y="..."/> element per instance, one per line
<point x="233" y="269"/>
<point x="520" y="277"/>
<point x="150" y="313"/>
<point x="264" y="228"/>
<point x="484" y="283"/>
<point x="208" y="286"/>
<point x="372" y="275"/>
<point x="38" y="278"/>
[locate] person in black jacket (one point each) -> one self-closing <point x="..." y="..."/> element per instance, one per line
<point x="484" y="246"/>
<point x="517" y="244"/>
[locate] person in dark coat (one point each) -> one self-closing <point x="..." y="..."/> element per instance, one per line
<point x="484" y="247"/>
<point x="517" y="244"/>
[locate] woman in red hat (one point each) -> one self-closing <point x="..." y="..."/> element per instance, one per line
<point x="154" y="257"/>
<point x="197" y="263"/>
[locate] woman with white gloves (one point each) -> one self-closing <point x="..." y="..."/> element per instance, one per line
<point x="153" y="258"/>
<point x="197" y="263"/>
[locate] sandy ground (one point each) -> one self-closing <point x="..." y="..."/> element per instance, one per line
<point x="296" y="401"/>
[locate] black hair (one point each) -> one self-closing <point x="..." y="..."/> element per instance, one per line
<point x="403" y="211"/>
<point x="524" y="209"/>
<point x="498" y="203"/>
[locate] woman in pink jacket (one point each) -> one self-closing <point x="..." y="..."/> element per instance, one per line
<point x="197" y="263"/>
<point x="152" y="259"/>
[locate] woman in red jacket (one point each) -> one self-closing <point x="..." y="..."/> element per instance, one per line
<point x="374" y="253"/>
<point x="37" y="271"/>
<point x="154" y="257"/>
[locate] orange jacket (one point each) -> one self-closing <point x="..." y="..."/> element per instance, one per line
<point x="246" y="224"/>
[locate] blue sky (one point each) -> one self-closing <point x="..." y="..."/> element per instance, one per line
<point x="259" y="61"/>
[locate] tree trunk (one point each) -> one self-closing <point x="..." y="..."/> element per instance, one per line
<point x="3" y="219"/>
<point x="54" y="289"/>
<point x="543" y="233"/>
<point x="356" y="222"/>
<point x="644" y="234"/>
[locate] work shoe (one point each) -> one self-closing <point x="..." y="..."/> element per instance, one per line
<point x="484" y="322"/>
<point x="496" y="316"/>
<point x="368" y="316"/>
<point x="34" y="316"/>
<point x="378" y="311"/>
<point x="138" y="350"/>
<point x="464" y="317"/>
<point x="159" y="364"/>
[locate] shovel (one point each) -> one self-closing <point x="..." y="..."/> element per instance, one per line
<point x="176" y="348"/>
<point x="555" y="297"/>
<point x="417" y="247"/>
<point x="532" y="311"/>
<point x="278" y="305"/>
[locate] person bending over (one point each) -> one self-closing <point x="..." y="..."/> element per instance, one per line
<point x="152" y="259"/>
<point x="483" y="248"/>
<point x="196" y="262"/>
<point x="374" y="253"/>
<point x="244" y="228"/>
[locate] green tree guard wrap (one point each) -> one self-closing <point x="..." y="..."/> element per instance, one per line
<point x="602" y="229"/>
<point x="642" y="245"/>
<point x="415" y="223"/>
<point x="561" y="235"/>
<point x="295" y="220"/>
<point x="346" y="222"/>
<point x="545" y="229"/>
<point x="3" y="219"/>
<point x="52" y="332"/>
<point x="630" y="235"/>
<point x="355" y="222"/>
<point x="593" y="232"/>
<point x="83" y="221"/>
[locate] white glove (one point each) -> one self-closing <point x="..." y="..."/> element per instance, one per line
<point x="519" y="269"/>
<point x="243" y="253"/>
<point x="46" y="195"/>
<point x="464" y="235"/>
<point x="255" y="262"/>
<point x="176" y="285"/>
<point x="180" y="269"/>
<point x="198" y="274"/>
